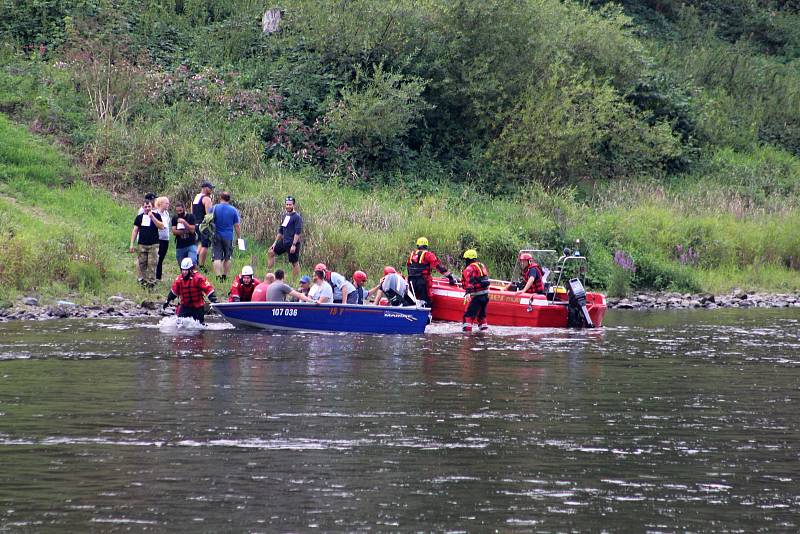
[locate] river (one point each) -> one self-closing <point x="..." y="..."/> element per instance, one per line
<point x="659" y="422"/>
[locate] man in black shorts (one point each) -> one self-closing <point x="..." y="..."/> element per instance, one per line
<point x="288" y="238"/>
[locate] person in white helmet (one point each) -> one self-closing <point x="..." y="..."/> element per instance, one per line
<point x="191" y="287"/>
<point x="243" y="286"/>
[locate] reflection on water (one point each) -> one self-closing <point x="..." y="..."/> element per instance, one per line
<point x="659" y="422"/>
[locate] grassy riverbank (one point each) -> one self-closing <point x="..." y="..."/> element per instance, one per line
<point x="65" y="238"/>
<point x="633" y="130"/>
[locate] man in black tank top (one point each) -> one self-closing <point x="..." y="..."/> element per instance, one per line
<point x="202" y="204"/>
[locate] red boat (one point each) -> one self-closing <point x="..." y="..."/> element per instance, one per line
<point x="563" y="305"/>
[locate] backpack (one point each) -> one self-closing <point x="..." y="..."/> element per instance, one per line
<point x="208" y="227"/>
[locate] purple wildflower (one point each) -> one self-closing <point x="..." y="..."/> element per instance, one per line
<point x="624" y="261"/>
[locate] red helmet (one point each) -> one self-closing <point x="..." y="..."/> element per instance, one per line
<point x="525" y="257"/>
<point x="388" y="270"/>
<point x="320" y="267"/>
<point x="360" y="276"/>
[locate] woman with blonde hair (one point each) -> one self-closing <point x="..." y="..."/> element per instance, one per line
<point x="162" y="208"/>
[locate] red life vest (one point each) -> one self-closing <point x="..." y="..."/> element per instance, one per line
<point x="191" y="291"/>
<point x="417" y="264"/>
<point x="475" y="278"/>
<point x="243" y="291"/>
<point x="535" y="271"/>
<point x="422" y="262"/>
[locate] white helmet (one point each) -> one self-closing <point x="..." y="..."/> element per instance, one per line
<point x="247" y="271"/>
<point x="187" y="263"/>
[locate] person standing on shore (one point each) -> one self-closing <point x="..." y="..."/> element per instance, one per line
<point x="161" y="205"/>
<point x="145" y="227"/>
<point x="475" y="280"/>
<point x="201" y="205"/>
<point x="191" y="287"/>
<point x="183" y="228"/>
<point x="288" y="238"/>
<point x="227" y="221"/>
<point x="420" y="265"/>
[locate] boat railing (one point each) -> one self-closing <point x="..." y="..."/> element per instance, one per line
<point x="565" y="264"/>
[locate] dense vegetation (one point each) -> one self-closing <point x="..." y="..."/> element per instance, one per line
<point x="666" y="132"/>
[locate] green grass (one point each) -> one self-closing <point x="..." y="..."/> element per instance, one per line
<point x="59" y="237"/>
<point x="65" y="238"/>
<point x="738" y="209"/>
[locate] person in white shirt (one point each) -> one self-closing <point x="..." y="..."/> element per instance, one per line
<point x="161" y="204"/>
<point x="324" y="291"/>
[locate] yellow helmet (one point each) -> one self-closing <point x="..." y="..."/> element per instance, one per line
<point x="471" y="254"/>
<point x="422" y="242"/>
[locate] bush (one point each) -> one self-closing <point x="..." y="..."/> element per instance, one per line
<point x="373" y="116"/>
<point x="580" y="127"/>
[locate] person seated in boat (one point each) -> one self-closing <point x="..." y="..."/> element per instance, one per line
<point x="532" y="279"/>
<point x="374" y="291"/>
<point x="321" y="292"/>
<point x="394" y="287"/>
<point x="360" y="294"/>
<point x="475" y="281"/>
<point x="243" y="286"/>
<point x="190" y="286"/>
<point x="304" y="287"/>
<point x="260" y="292"/>
<point x="279" y="290"/>
<point x="343" y="290"/>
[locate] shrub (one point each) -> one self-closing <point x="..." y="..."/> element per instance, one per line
<point x="579" y="127"/>
<point x="373" y="116"/>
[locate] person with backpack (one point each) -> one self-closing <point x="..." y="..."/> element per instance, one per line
<point x="201" y="205"/>
<point x="226" y="222"/>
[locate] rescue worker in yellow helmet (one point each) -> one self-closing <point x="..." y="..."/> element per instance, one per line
<point x="475" y="281"/>
<point x="420" y="264"/>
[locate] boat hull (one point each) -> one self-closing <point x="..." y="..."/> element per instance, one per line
<point x="507" y="308"/>
<point x="325" y="317"/>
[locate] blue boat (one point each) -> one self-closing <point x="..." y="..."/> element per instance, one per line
<point x="359" y="318"/>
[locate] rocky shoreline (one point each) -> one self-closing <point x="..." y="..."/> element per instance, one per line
<point x="30" y="309"/>
<point x="684" y="301"/>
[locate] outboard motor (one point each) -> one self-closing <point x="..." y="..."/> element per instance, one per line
<point x="577" y="314"/>
<point x="393" y="297"/>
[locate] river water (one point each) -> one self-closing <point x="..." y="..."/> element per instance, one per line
<point x="661" y="422"/>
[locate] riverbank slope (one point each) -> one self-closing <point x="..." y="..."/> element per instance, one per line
<point x="66" y="239"/>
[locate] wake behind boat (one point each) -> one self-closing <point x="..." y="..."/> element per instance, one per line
<point x="327" y="317"/>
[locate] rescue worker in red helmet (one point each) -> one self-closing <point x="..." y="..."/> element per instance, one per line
<point x="475" y="281"/>
<point x="532" y="279"/>
<point x="394" y="287"/>
<point x="191" y="287"/>
<point x="359" y="296"/>
<point x="243" y="286"/>
<point x="420" y="264"/>
<point x="374" y="291"/>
